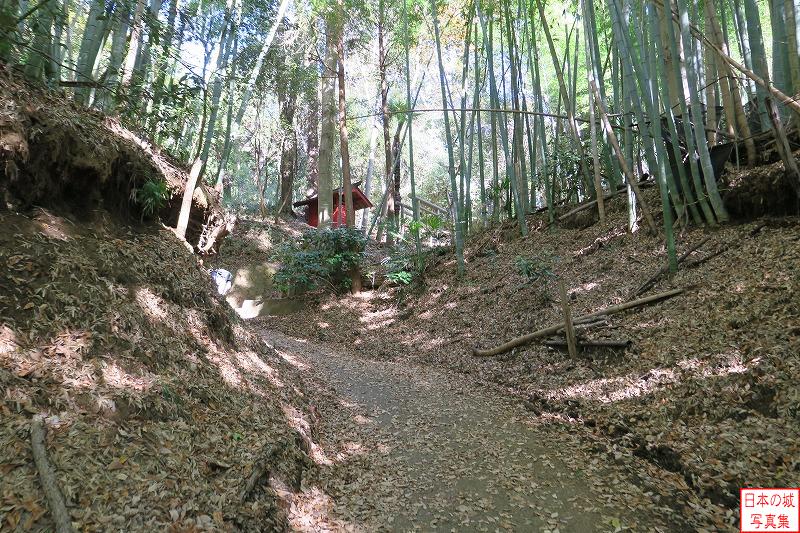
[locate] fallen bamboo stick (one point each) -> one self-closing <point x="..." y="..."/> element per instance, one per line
<point x="592" y="343"/>
<point x="663" y="270"/>
<point x="519" y="341"/>
<point x="587" y="205"/>
<point x="55" y="500"/>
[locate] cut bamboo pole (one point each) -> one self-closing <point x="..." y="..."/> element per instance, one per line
<point x="591" y="343"/>
<point x="525" y="339"/>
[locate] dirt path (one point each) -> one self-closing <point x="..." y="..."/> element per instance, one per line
<point x="415" y="449"/>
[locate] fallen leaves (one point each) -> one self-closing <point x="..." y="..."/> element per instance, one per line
<point x="707" y="373"/>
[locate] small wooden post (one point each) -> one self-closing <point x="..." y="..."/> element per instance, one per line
<point x="569" y="328"/>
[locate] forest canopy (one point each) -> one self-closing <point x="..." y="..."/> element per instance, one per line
<point x="482" y="111"/>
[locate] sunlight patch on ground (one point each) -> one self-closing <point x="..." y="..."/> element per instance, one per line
<point x="608" y="390"/>
<point x="310" y="511"/>
<point x="17" y="395"/>
<point x="248" y="309"/>
<point x="425" y="341"/>
<point x="53" y="226"/>
<point x="152" y="304"/>
<point x="118" y="378"/>
<point x="290" y="358"/>
<point x="586" y="287"/>
<point x="380" y="325"/>
<point x="656" y="322"/>
<point x="362" y="420"/>
<point x="199" y="330"/>
<point x="351" y="449"/>
<point x="378" y="319"/>
<point x="262" y="240"/>
<point x="600" y="241"/>
<point x="251" y="362"/>
<point x="229" y="373"/>
<point x="8" y="340"/>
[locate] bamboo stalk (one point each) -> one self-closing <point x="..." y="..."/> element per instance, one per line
<point x="457" y="228"/>
<point x="592" y="343"/>
<point x="612" y="138"/>
<point x="525" y="339"/>
<point x="782" y="98"/>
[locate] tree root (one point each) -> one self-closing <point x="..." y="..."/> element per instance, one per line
<point x="55" y="500"/>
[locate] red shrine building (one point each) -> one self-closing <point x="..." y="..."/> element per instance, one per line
<point x="360" y="201"/>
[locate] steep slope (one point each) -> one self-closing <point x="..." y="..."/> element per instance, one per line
<point x="162" y="411"/>
<point x="76" y="161"/>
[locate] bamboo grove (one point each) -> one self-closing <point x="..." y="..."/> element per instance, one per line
<point x="535" y="103"/>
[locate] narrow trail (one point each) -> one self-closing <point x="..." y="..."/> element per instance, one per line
<point x="414" y="449"/>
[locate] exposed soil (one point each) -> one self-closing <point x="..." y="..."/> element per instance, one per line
<point x="81" y="163"/>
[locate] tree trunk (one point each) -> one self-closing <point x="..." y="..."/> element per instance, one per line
<point x="729" y="86"/>
<point x="373" y="142"/>
<point x="573" y="125"/>
<point x="138" y="101"/>
<point x="495" y="100"/>
<point x="591" y="69"/>
<point x="758" y="57"/>
<point x="697" y="117"/>
<point x="106" y="98"/>
<point x="39" y="66"/>
<point x="344" y="147"/>
<point x="226" y="41"/>
<point x="388" y="208"/>
<point x="409" y="120"/>
<point x="781" y="75"/>
<point x="312" y="143"/>
<point x="328" y="90"/>
<point x="186" y="203"/>
<point x="160" y="69"/>
<point x="251" y="82"/>
<point x="57" y="46"/>
<point x="459" y="238"/>
<point x="793" y="45"/>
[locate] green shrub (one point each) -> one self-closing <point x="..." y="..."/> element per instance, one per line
<point x="321" y="259"/>
<point x="535" y="267"/>
<point x="401" y="277"/>
<point x="402" y="264"/>
<point x="152" y="197"/>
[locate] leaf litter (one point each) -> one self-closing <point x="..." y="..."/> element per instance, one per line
<point x="703" y="402"/>
<point x="159" y="403"/>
